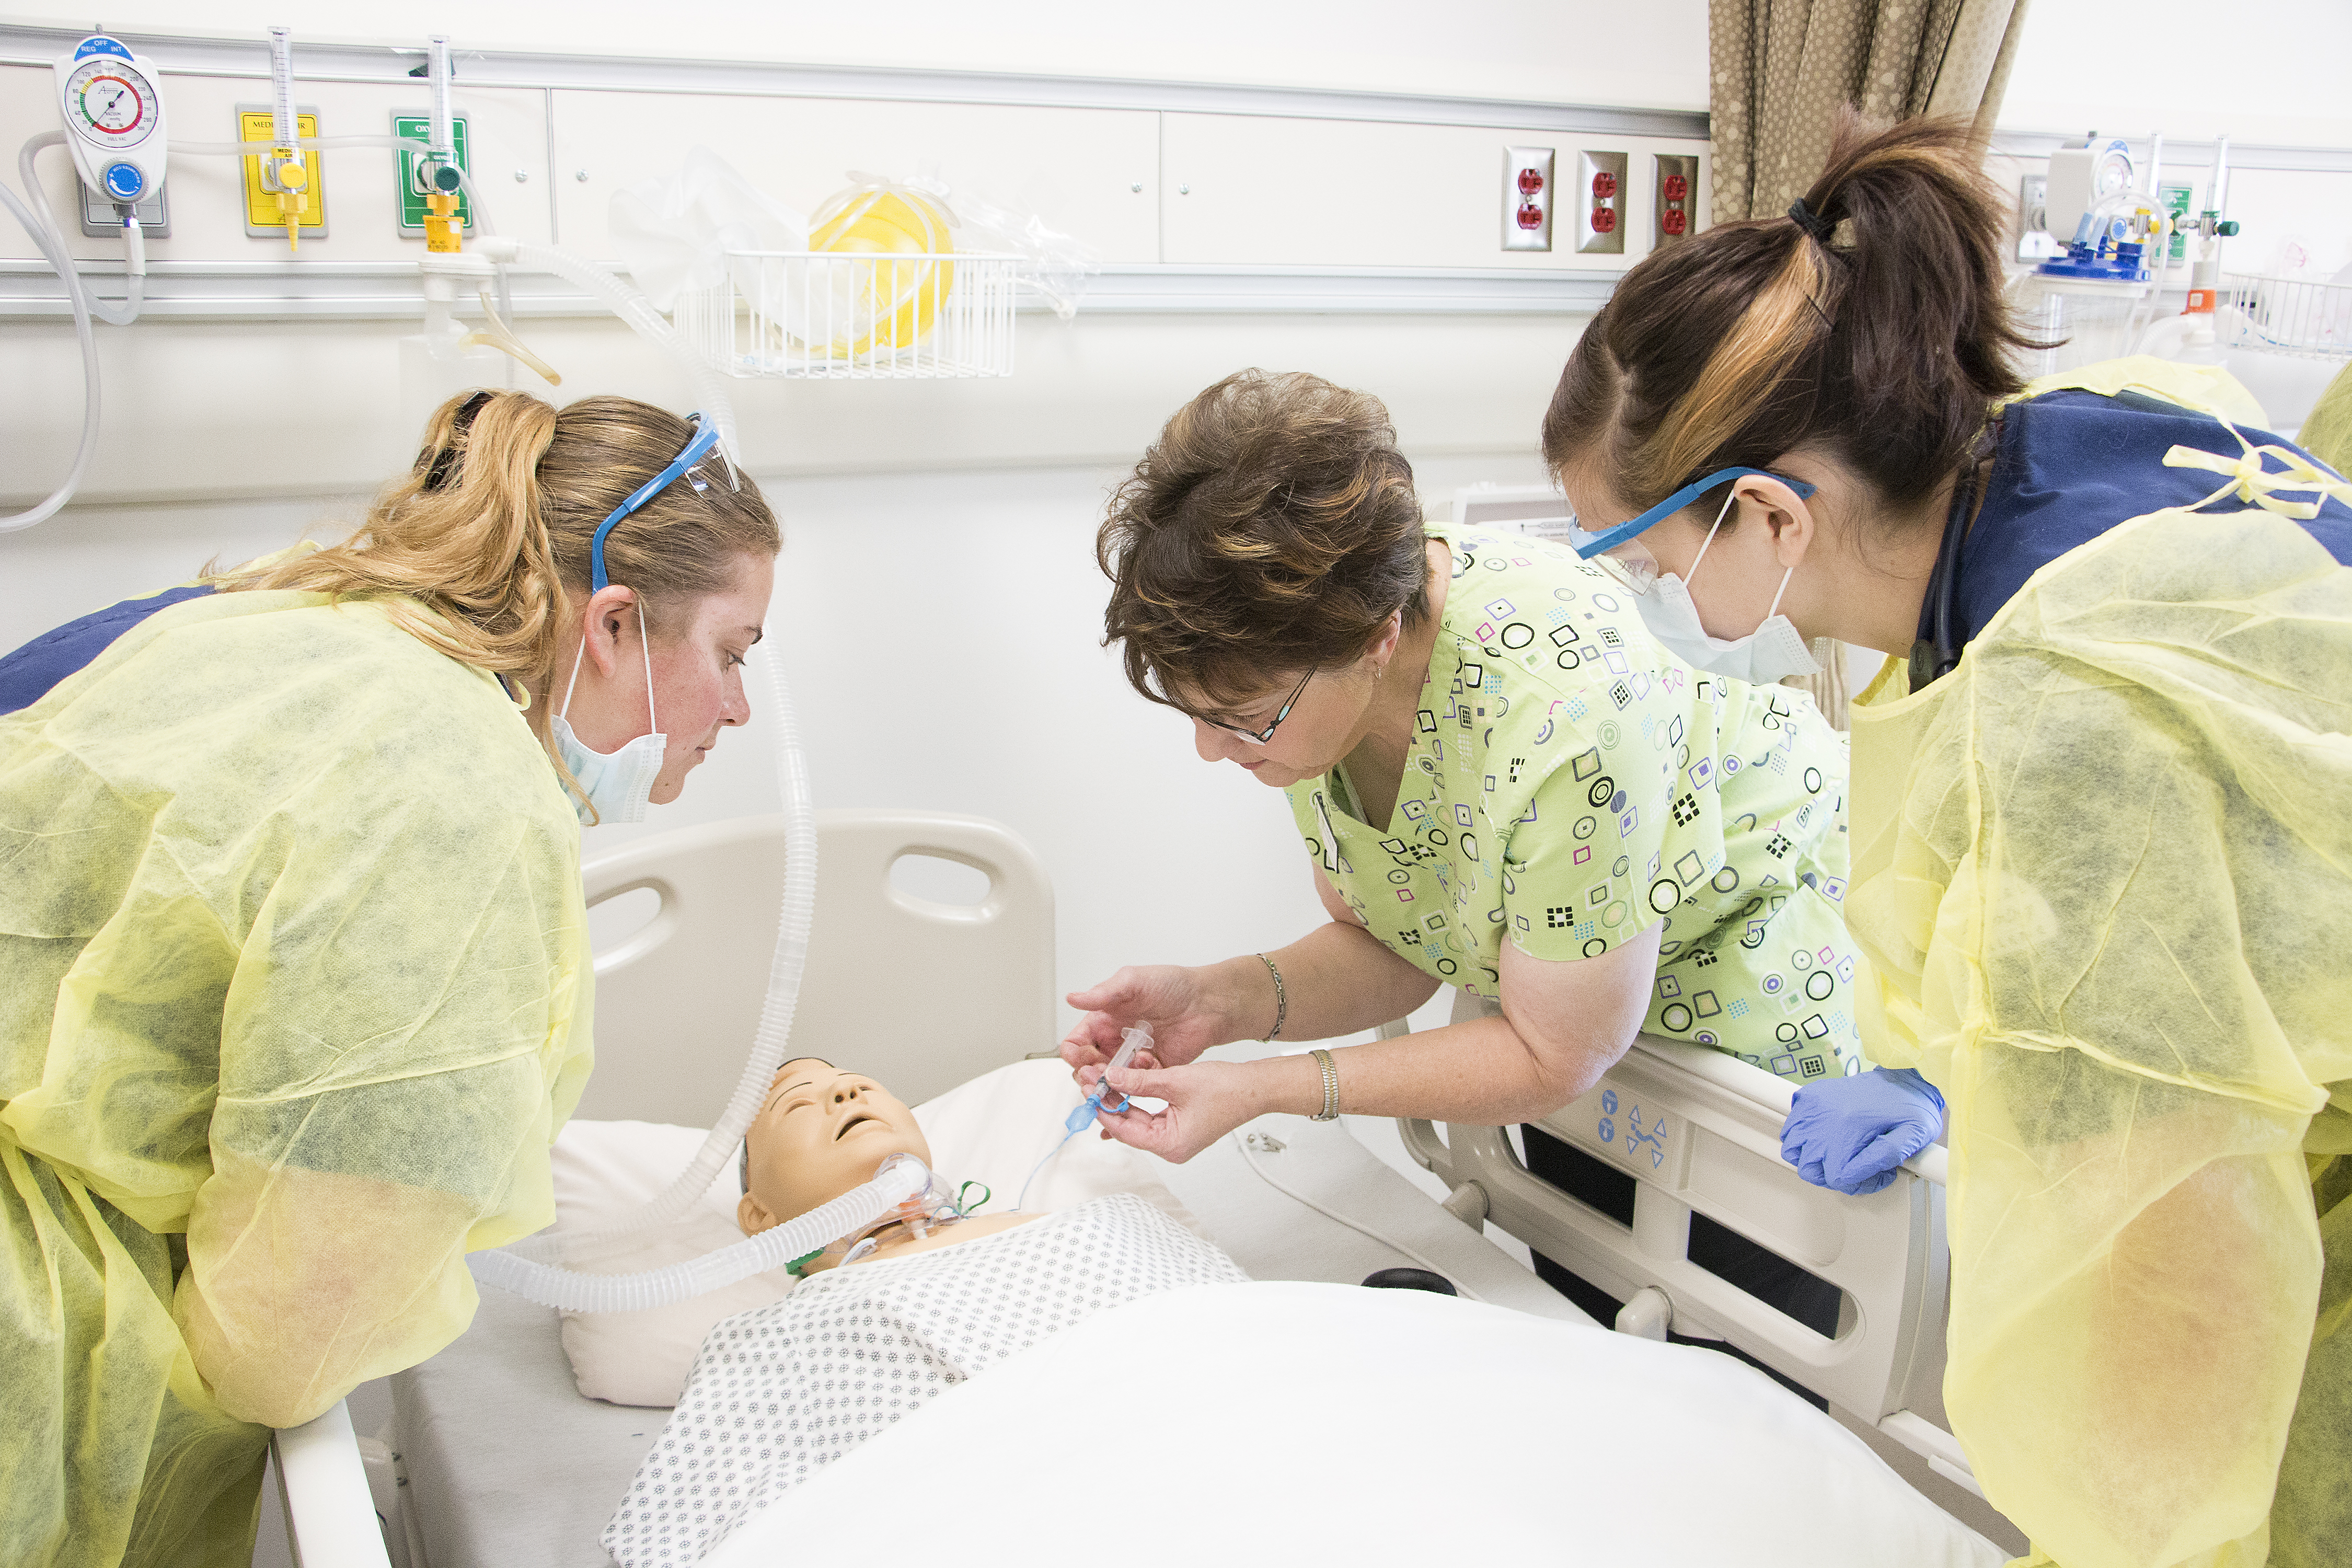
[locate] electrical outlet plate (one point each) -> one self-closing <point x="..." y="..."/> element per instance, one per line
<point x="100" y="221"/>
<point x="1598" y="198"/>
<point x="254" y="122"/>
<point x="418" y="123"/>
<point x="2034" y="240"/>
<point x="1526" y="198"/>
<point x="1675" y="212"/>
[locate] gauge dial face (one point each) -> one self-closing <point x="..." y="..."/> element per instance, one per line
<point x="111" y="104"/>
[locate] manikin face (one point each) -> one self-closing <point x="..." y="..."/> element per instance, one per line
<point x="822" y="1131"/>
<point x="698" y="673"/>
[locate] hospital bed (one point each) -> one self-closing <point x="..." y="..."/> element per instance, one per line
<point x="493" y="1457"/>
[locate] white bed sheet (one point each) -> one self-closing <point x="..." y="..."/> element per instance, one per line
<point x="509" y="1468"/>
<point x="1279" y="1425"/>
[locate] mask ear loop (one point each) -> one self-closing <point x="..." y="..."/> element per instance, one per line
<point x="1721" y="512"/>
<point x="1719" y="516"/>
<point x="644" y="646"/>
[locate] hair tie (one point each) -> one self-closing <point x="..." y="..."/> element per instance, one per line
<point x="444" y="462"/>
<point x="1820" y="228"/>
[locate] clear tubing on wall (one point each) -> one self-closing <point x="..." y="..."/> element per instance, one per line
<point x="34" y="219"/>
<point x="624" y="299"/>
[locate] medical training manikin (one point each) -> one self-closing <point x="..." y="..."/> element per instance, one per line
<point x="882" y="1321"/>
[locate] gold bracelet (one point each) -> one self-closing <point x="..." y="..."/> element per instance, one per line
<point x="1281" y="999"/>
<point x="1330" y="1085"/>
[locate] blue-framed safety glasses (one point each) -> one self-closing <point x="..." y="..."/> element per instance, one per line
<point x="1621" y="544"/>
<point x="700" y="445"/>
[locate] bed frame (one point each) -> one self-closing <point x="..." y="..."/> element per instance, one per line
<point x="1697" y="1131"/>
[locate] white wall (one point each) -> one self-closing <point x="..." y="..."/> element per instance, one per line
<point x="2268" y="71"/>
<point x="1651" y="54"/>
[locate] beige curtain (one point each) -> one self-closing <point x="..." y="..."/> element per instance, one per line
<point x="1780" y="70"/>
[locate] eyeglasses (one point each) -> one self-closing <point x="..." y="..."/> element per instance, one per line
<point x="1260" y="737"/>
<point x="1620" y="548"/>
<point x="702" y="444"/>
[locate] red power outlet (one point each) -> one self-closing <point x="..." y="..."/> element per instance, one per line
<point x="1530" y="183"/>
<point x="1673" y="223"/>
<point x="1605" y="185"/>
<point x="1530" y="217"/>
<point x="1604" y="220"/>
<point x="1677" y="188"/>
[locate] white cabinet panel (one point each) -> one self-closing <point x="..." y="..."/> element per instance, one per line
<point x="1258" y="189"/>
<point x="1076" y="168"/>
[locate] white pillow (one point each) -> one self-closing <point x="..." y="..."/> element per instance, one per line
<point x="993" y="1130"/>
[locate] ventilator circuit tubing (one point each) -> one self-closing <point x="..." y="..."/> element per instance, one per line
<point x="624" y="299"/>
<point x="900" y="1180"/>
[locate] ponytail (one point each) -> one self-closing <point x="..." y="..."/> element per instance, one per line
<point x="481" y="551"/>
<point x="1871" y="323"/>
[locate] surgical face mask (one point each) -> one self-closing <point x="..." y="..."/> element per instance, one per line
<point x="1773" y="650"/>
<point x="617" y="785"/>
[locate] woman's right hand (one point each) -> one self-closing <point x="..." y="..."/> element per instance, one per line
<point x="1186" y="1018"/>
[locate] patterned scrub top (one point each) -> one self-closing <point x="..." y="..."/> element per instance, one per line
<point x="1571" y="783"/>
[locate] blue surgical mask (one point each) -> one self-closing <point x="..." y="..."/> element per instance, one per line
<point x="617" y="785"/>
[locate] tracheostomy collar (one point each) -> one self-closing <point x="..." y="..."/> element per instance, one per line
<point x="616" y="785"/>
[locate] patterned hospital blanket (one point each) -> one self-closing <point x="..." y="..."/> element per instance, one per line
<point x="784" y="1389"/>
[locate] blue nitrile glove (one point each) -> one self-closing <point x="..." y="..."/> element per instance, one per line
<point x="1850" y="1133"/>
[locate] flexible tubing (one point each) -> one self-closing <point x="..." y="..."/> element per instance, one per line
<point x="1391" y="1243"/>
<point x="134" y="247"/>
<point x="83" y="330"/>
<point x="625" y="301"/>
<point x="772" y="1248"/>
<point x="770" y="1040"/>
<point x="322" y="143"/>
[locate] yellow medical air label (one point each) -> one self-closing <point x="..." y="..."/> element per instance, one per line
<point x="261" y="209"/>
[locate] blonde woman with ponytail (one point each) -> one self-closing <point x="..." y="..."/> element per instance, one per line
<point x="2102" y="819"/>
<point x="294" y="973"/>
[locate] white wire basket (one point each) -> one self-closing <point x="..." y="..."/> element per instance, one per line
<point x="828" y="315"/>
<point x="2291" y="316"/>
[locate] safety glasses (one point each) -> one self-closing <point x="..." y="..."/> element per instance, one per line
<point x="1620" y="549"/>
<point x="702" y="444"/>
<point x="1260" y="737"/>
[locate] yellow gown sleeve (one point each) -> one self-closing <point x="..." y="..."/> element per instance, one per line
<point x="2111" y="917"/>
<point x="384" y="1106"/>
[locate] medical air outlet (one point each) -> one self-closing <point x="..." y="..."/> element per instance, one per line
<point x="114" y="122"/>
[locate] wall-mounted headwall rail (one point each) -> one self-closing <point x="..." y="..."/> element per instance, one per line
<point x="1196" y="196"/>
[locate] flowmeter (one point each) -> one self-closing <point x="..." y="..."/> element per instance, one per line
<point x="114" y="119"/>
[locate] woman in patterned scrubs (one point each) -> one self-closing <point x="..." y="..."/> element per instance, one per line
<point x="1500" y="781"/>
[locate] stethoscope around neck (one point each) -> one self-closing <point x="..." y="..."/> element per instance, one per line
<point x="1935" y="652"/>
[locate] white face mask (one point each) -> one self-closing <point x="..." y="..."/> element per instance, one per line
<point x="619" y="785"/>
<point x="1773" y="650"/>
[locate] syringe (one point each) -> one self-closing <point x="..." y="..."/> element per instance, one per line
<point x="1130" y="1041"/>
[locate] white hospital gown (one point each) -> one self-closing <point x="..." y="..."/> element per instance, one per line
<point x="780" y="1390"/>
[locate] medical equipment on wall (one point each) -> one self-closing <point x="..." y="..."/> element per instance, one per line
<point x="114" y="125"/>
<point x="903" y="1189"/>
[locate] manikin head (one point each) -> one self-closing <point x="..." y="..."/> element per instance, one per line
<point x="822" y="1132"/>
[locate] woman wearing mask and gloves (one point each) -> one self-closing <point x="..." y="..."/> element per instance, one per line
<point x="1501" y="781"/>
<point x="2102" y="813"/>
<point x="294" y="968"/>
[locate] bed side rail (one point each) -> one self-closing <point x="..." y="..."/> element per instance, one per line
<point x="331" y="1518"/>
<point x="1700" y="1133"/>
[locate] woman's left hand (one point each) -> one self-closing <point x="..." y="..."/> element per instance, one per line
<point x="1206" y="1100"/>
